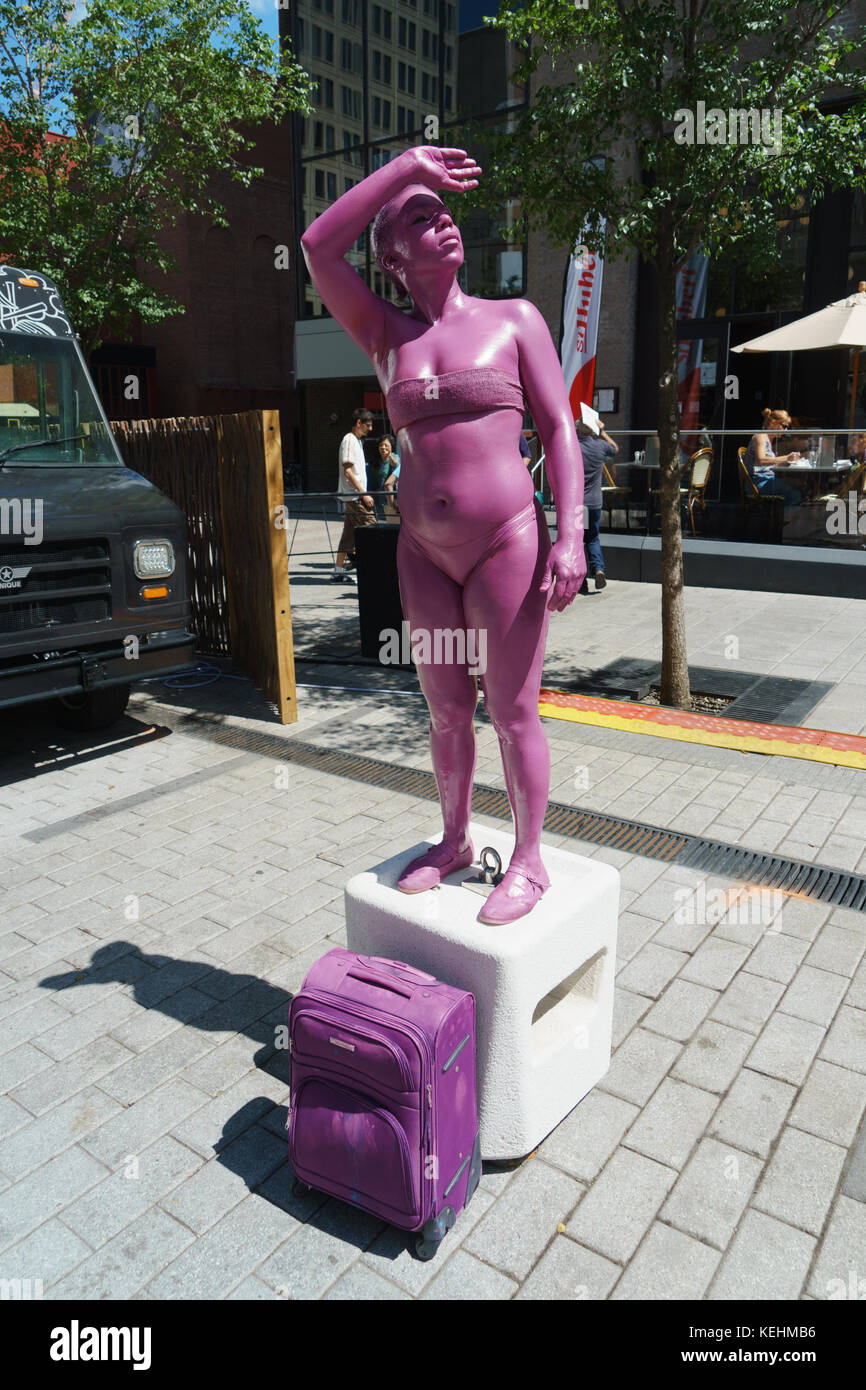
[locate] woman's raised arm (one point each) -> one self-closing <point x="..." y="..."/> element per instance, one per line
<point x="334" y="232"/>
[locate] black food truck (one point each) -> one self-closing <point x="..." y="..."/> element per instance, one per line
<point x="93" y="580"/>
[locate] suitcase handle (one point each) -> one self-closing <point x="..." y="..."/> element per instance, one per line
<point x="401" y="965"/>
<point x="370" y="978"/>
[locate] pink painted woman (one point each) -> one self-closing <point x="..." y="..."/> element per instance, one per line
<point x="474" y="551"/>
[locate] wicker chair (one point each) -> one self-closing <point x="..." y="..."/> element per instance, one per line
<point x="612" y="495"/>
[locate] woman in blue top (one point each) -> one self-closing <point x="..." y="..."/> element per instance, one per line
<point x="391" y="473"/>
<point x="760" y="452"/>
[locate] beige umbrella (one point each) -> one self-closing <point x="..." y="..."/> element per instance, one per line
<point x="841" y="324"/>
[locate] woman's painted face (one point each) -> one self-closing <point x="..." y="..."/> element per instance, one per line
<point x="424" y="234"/>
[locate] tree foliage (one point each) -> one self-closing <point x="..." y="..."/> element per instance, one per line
<point x="149" y="96"/>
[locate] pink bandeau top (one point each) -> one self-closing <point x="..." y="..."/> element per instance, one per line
<point x="456" y="393"/>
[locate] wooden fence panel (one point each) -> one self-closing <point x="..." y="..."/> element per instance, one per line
<point x="225" y="474"/>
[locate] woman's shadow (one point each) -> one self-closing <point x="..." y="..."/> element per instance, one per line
<point x="206" y="996"/>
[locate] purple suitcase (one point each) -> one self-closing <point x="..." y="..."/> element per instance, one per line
<point x="383" y="1111"/>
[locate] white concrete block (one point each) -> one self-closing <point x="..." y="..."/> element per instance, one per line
<point x="543" y="985"/>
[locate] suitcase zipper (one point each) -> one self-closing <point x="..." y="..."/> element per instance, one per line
<point x="361" y="1033"/>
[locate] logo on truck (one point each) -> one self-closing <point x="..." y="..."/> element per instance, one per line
<point x="13" y="578"/>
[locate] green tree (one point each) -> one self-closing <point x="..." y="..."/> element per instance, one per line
<point x="150" y="95"/>
<point x="626" y="77"/>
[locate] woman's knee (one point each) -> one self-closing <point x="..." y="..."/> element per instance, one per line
<point x="453" y="711"/>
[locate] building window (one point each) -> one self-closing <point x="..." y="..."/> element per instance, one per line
<point x="351" y="11"/>
<point x="323" y="44"/>
<point x="381" y="113"/>
<point x="329" y="137"/>
<point x="347" y="184"/>
<point x="449" y="57"/>
<point x="449" y="104"/>
<point x="381" y="22"/>
<point x="449" y="16"/>
<point x="406" y="35"/>
<point x="350" y="102"/>
<point x="431" y="7"/>
<point x="429" y="45"/>
<point x="405" y="120"/>
<point x="350" y="56"/>
<point x="332" y="187"/>
<point x="381" y="67"/>
<point x="320" y="183"/>
<point x="318" y="135"/>
<point x="429" y="87"/>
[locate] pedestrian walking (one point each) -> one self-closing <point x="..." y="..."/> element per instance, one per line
<point x="596" y="446"/>
<point x="352" y="486"/>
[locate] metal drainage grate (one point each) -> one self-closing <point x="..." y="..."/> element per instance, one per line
<point x="816" y="881"/>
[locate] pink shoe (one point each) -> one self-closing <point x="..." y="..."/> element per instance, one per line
<point x="516" y="895"/>
<point x="428" y="870"/>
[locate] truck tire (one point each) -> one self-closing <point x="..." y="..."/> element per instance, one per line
<point x="94" y="710"/>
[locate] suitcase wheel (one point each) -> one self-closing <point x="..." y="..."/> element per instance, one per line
<point x="431" y="1235"/>
<point x="301" y="1189"/>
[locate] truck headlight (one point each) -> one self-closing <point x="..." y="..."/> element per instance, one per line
<point x="153" y="559"/>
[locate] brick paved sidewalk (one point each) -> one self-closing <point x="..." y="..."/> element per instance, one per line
<point x="164" y="899"/>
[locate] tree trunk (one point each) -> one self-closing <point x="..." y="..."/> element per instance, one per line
<point x="675" y="666"/>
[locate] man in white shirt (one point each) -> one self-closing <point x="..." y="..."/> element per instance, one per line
<point x="351" y="485"/>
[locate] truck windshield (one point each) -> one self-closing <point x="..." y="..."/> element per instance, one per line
<point x="46" y="394"/>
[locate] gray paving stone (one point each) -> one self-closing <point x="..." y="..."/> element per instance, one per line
<point x="838" y="1270"/>
<point x="668" y="1265"/>
<point x="45" y="1192"/>
<point x="767" y="1261"/>
<point x="362" y="1284"/>
<point x="680" y="1010"/>
<point x="253" y="1289"/>
<point x="586" y="1138"/>
<point x="837" y="950"/>
<point x="639" y="1065"/>
<point x="715" y="963"/>
<point x="214" y="1188"/>
<point x="57" y="1129"/>
<point x="845" y="1045"/>
<point x="121" y="1197"/>
<point x="632" y="933"/>
<point x="814" y="995"/>
<point x="786" y="1048"/>
<point x="567" y="1270"/>
<point x="753" y="1112"/>
<point x="464" y="1277"/>
<point x="748" y="1002"/>
<point x="47" y="1254"/>
<point x="214" y="1263"/>
<point x="628" y="1009"/>
<point x="672" y="1123"/>
<point x="25" y="1062"/>
<point x="313" y="1258"/>
<point x="713" y="1057"/>
<point x="391" y="1256"/>
<point x="712" y="1192"/>
<point x="831" y="1103"/>
<point x="142" y="1074"/>
<point x="777" y="957"/>
<point x="800" y="1183"/>
<point x="84" y="1028"/>
<point x="522" y="1222"/>
<point x="619" y="1207"/>
<point x="133" y="1129"/>
<point x="120" y="1268"/>
<point x="651" y="970"/>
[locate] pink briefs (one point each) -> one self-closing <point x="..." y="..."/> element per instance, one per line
<point x="459" y="561"/>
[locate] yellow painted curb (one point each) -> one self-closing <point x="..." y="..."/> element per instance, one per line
<point x="811" y="752"/>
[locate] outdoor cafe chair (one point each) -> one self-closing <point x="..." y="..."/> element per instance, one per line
<point x="685" y="491"/>
<point x="612" y="495"/>
<point x="701" y="464"/>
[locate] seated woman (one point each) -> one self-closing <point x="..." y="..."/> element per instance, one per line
<point x="474" y="552"/>
<point x="760" y="452"/>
